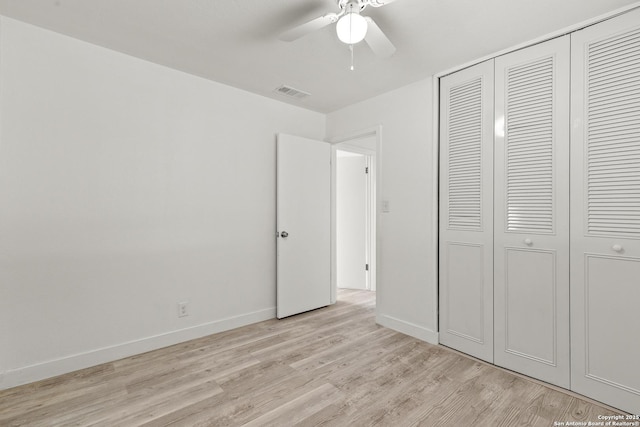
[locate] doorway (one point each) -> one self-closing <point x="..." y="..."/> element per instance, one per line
<point x="352" y="220"/>
<point x="354" y="201"/>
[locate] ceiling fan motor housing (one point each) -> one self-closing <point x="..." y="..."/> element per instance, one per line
<point x="352" y="5"/>
<point x="359" y="5"/>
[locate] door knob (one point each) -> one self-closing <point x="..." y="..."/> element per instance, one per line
<point x="528" y="242"/>
<point x="284" y="234"/>
<point x="617" y="248"/>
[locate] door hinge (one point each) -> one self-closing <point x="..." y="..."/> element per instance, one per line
<point x="366" y="267"/>
<point x="366" y="169"/>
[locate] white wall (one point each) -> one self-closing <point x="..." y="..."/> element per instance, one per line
<point x="125" y="188"/>
<point x="407" y="286"/>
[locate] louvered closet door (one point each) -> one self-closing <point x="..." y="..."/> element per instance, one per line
<point x="531" y="281"/>
<point x="466" y="211"/>
<point x="605" y="229"/>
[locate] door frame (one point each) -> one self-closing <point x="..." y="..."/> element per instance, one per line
<point x="375" y="178"/>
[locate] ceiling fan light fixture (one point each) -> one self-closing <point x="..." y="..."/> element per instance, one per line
<point x="351" y="28"/>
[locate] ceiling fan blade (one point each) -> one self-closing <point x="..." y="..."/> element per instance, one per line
<point x="309" y="27"/>
<point x="378" y="3"/>
<point x="377" y="41"/>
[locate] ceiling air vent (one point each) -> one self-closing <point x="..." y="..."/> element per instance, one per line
<point x="291" y="92"/>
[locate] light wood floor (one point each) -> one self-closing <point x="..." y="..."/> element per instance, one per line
<point x="332" y="366"/>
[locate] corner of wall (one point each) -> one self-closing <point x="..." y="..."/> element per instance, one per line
<point x="408" y="328"/>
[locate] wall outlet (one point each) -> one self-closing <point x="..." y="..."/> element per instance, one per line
<point x="183" y="309"/>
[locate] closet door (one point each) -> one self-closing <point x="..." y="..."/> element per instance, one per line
<point x="531" y="282"/>
<point x="466" y="211"/>
<point x="605" y="229"/>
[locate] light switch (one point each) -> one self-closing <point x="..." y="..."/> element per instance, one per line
<point x="385" y="206"/>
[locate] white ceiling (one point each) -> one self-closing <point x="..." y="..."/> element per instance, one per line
<point x="236" y="41"/>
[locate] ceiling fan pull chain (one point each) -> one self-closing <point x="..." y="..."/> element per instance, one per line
<point x="351" y="49"/>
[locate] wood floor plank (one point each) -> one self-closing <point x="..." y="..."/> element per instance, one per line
<point x="243" y="404"/>
<point x="299" y="408"/>
<point x="328" y="367"/>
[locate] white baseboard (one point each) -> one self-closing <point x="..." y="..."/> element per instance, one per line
<point x="408" y="328"/>
<point x="52" y="368"/>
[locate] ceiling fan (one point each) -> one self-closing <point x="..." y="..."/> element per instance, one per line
<point x="351" y="26"/>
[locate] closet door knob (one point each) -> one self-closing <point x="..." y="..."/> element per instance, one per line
<point x="528" y="242"/>
<point x="617" y="248"/>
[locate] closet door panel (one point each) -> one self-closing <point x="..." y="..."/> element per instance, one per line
<point x="530" y="283"/>
<point x="466" y="211"/>
<point x="531" y="276"/>
<point x="465" y="291"/>
<point x="605" y="229"/>
<point x="606" y="279"/>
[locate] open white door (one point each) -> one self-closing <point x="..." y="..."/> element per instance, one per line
<point x="303" y="225"/>
<point x="351" y="220"/>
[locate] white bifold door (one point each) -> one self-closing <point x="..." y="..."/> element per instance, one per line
<point x="605" y="228"/>
<point x="466" y="211"/>
<point x="531" y="276"/>
<point x="560" y="268"/>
